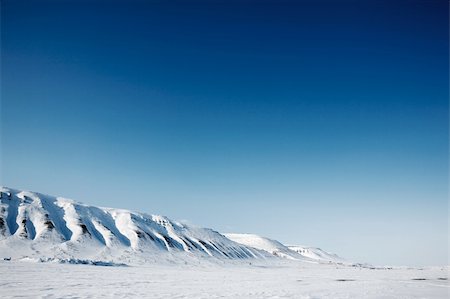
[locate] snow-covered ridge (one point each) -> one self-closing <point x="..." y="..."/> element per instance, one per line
<point x="317" y="254"/>
<point x="273" y="247"/>
<point x="302" y="253"/>
<point x="41" y="227"/>
<point x="38" y="225"/>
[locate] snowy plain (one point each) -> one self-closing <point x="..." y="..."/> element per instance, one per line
<point x="235" y="280"/>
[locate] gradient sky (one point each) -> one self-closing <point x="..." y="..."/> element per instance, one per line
<point x="317" y="123"/>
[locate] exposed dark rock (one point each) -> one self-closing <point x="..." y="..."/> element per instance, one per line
<point x="84" y="229"/>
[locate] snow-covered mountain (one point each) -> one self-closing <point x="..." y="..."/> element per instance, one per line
<point x="270" y="246"/>
<point x="317" y="254"/>
<point x="34" y="225"/>
<point x="308" y="254"/>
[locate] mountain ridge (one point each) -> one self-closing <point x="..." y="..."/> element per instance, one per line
<point x="35" y="225"/>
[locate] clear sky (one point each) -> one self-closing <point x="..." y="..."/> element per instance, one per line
<point x="317" y="123"/>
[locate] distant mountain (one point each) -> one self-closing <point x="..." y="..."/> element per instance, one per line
<point x="270" y="246"/>
<point x="34" y="225"/>
<point x="317" y="254"/>
<point x="308" y="254"/>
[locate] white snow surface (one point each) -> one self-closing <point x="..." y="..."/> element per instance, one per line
<point x="261" y="279"/>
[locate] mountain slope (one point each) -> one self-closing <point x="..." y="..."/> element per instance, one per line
<point x="317" y="254"/>
<point x="273" y="247"/>
<point x="37" y="225"/>
<point x="308" y="254"/>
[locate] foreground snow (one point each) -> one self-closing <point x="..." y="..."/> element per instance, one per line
<point x="236" y="280"/>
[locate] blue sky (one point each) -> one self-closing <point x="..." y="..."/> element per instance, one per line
<point x="313" y="122"/>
